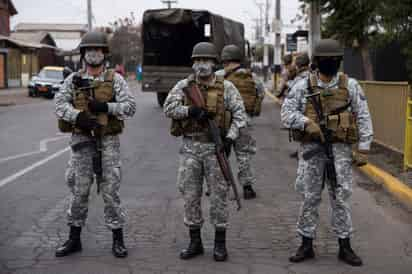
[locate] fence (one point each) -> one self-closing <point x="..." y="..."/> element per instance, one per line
<point x="407" y="157"/>
<point x="388" y="104"/>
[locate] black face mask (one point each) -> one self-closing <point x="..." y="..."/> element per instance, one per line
<point x="328" y="66"/>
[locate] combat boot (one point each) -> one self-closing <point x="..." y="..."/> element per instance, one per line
<point x="248" y="192"/>
<point x="72" y="245"/>
<point x="118" y="248"/>
<point x="195" y="246"/>
<point x="346" y="253"/>
<point x="220" y="252"/>
<point x="305" y="251"/>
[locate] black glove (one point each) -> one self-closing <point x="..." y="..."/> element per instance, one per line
<point x="198" y="113"/>
<point x="85" y="122"/>
<point x="227" y="146"/>
<point x="96" y="106"/>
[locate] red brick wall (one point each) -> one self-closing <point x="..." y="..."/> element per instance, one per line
<point x="4" y="22"/>
<point x="2" y="72"/>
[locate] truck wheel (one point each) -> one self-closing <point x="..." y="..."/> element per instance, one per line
<point x="161" y="98"/>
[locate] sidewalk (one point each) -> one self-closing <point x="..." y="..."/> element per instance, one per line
<point x="17" y="96"/>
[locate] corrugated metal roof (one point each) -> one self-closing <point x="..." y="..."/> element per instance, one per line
<point x="32" y="37"/>
<point x="50" y="27"/>
<point x="24" y="44"/>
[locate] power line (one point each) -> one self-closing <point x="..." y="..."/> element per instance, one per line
<point x="169" y="3"/>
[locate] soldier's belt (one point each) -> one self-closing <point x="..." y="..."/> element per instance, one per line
<point x="199" y="138"/>
<point x="79" y="146"/>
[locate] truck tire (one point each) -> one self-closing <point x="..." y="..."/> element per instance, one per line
<point x="161" y="98"/>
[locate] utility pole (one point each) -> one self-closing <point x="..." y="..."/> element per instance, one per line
<point x="314" y="25"/>
<point x="277" y="53"/>
<point x="89" y="15"/>
<point x="169" y="3"/>
<point x="260" y="6"/>
<point x="267" y="26"/>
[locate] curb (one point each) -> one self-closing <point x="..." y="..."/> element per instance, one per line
<point x="7" y="104"/>
<point x="394" y="186"/>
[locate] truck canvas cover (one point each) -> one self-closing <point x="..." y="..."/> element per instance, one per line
<point x="170" y="34"/>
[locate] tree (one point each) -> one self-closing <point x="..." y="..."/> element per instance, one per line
<point x="125" y="44"/>
<point x="396" y="21"/>
<point x="352" y="22"/>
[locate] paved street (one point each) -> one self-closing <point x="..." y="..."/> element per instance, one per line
<point x="33" y="199"/>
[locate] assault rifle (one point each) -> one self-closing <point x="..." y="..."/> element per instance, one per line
<point x="329" y="172"/>
<point x="194" y="94"/>
<point x="86" y="87"/>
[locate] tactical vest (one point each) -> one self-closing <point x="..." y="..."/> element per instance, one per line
<point x="243" y="81"/>
<point x="103" y="92"/>
<point x="335" y="103"/>
<point x="215" y="105"/>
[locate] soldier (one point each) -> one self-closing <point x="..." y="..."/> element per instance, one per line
<point x="197" y="154"/>
<point x="252" y="91"/>
<point x="351" y="124"/>
<point x="288" y="74"/>
<point x="92" y="104"/>
<point x="302" y="62"/>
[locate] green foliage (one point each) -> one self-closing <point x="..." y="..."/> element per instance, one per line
<point x="348" y="21"/>
<point x="358" y="22"/>
<point x="396" y="20"/>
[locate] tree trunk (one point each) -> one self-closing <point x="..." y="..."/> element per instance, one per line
<point x="366" y="61"/>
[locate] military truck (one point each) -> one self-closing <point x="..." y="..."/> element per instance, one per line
<point x="168" y="38"/>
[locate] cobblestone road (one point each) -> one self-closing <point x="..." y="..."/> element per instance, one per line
<point x="260" y="237"/>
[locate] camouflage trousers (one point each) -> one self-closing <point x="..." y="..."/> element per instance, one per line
<point x="309" y="183"/>
<point x="245" y="149"/>
<point x="80" y="177"/>
<point x="198" y="162"/>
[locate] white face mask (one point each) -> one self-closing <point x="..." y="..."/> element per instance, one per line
<point x="94" y="57"/>
<point x="203" y="69"/>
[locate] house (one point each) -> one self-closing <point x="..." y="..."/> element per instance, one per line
<point x="66" y="36"/>
<point x="45" y="54"/>
<point x="7" y="10"/>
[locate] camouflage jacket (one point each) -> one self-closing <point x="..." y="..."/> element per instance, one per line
<point x="293" y="108"/>
<point x="174" y="106"/>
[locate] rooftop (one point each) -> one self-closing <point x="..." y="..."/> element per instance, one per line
<point x="50" y="27"/>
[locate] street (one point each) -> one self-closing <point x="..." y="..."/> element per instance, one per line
<point x="261" y="237"/>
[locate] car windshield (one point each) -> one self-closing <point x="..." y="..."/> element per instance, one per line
<point x="51" y="74"/>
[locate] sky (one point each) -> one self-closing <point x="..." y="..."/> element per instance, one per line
<point x="105" y="11"/>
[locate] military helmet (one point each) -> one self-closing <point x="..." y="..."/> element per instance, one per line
<point x="231" y="53"/>
<point x="94" y="39"/>
<point x="302" y="60"/>
<point x="328" y="48"/>
<point x="204" y="50"/>
<point x="287" y="59"/>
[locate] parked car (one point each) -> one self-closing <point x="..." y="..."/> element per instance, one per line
<point x="47" y="82"/>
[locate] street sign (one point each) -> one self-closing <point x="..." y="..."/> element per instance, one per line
<point x="291" y="43"/>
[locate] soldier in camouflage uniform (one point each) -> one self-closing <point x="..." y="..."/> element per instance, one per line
<point x="92" y="117"/>
<point x="252" y="91"/>
<point x="352" y="124"/>
<point x="197" y="153"/>
<point x="302" y="62"/>
<point x="288" y="74"/>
